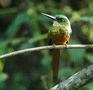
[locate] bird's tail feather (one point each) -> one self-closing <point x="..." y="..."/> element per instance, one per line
<point x="55" y="64"/>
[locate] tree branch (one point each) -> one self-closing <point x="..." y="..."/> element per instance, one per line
<point x="45" y="48"/>
<point x="77" y="80"/>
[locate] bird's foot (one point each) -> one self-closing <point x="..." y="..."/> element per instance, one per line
<point x="54" y="45"/>
<point x="65" y="45"/>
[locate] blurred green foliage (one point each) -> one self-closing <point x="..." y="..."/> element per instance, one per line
<point x="23" y="26"/>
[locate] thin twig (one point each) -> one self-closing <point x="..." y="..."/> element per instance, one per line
<point x="77" y="80"/>
<point x="45" y="48"/>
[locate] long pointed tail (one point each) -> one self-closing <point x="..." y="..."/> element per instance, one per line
<point x="55" y="64"/>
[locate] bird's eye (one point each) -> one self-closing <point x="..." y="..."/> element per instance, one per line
<point x="60" y="19"/>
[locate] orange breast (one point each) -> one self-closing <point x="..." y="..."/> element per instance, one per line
<point x="60" y="39"/>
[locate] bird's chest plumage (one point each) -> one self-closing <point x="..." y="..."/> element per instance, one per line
<point x="60" y="36"/>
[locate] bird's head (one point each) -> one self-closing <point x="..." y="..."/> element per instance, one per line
<point x="58" y="19"/>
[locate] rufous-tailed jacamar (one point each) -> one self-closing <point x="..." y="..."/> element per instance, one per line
<point x="60" y="34"/>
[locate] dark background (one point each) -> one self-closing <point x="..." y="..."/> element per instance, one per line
<point x="22" y="26"/>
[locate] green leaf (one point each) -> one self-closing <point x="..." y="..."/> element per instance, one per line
<point x="3" y="46"/>
<point x="17" y="41"/>
<point x="34" y="20"/>
<point x="66" y="72"/>
<point x="89" y="56"/>
<point x="3" y="77"/>
<point x="26" y="45"/>
<point x="1" y="66"/>
<point x="89" y="86"/>
<point x="3" y="43"/>
<point x="76" y="55"/>
<point x="13" y="28"/>
<point x="8" y="10"/>
<point x="87" y="19"/>
<point x="46" y="59"/>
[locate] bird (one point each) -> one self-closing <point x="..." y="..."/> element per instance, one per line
<point x="59" y="34"/>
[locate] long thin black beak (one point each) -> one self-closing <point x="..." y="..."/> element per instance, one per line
<point x="50" y="16"/>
